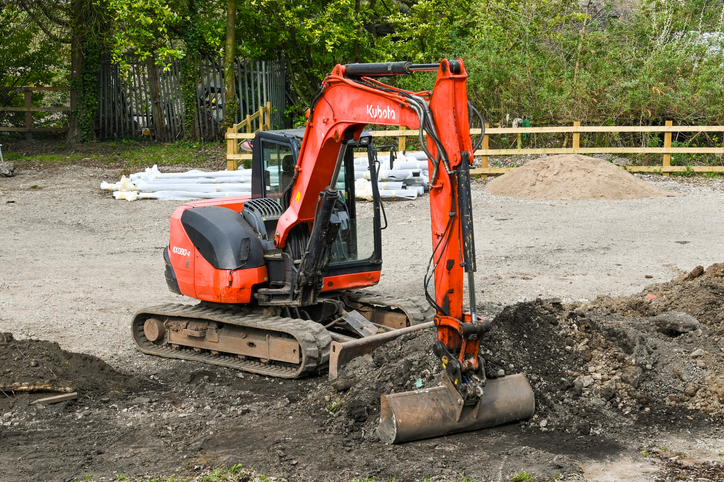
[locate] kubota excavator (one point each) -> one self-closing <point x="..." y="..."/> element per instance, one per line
<point x="279" y="274"/>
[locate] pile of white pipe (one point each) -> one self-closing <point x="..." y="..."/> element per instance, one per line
<point x="407" y="178"/>
<point x="181" y="186"/>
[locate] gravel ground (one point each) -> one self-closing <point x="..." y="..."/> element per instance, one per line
<point x="76" y="264"/>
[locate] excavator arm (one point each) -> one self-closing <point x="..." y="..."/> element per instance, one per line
<point x="351" y="98"/>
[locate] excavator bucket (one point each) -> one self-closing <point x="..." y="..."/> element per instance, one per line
<point x="439" y="411"/>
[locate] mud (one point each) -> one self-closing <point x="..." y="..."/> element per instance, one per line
<point x="627" y="386"/>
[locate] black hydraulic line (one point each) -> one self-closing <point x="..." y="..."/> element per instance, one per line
<point x="466" y="212"/>
<point x="386" y="69"/>
<point x="424" y="67"/>
<point x="476" y="113"/>
<point x="323" y="230"/>
<point x="383" y="69"/>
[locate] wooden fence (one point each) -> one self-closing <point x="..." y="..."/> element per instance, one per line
<point x="576" y="130"/>
<point x="29" y="109"/>
<point x="260" y="121"/>
<point x="147" y="100"/>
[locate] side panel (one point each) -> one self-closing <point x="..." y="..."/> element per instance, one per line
<point x="182" y="254"/>
<point x="196" y="277"/>
<point x="226" y="286"/>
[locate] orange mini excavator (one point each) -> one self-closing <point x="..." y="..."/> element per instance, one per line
<point x="279" y="274"/>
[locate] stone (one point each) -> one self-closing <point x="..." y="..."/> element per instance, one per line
<point x="690" y="390"/>
<point x="674" y="323"/>
<point x="632" y="375"/>
<point x="695" y="273"/>
<point x="607" y="393"/>
<point x="342" y="384"/>
<point x="677" y="373"/>
<point x="7" y="169"/>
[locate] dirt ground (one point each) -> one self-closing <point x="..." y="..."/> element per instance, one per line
<point x="629" y="385"/>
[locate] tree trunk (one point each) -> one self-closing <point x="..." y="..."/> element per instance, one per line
<point x="76" y="64"/>
<point x="230" y="103"/>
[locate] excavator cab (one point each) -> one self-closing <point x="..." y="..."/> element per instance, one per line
<point x="357" y="247"/>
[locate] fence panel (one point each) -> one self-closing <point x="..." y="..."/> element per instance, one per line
<point x="48" y="122"/>
<point x="125" y="105"/>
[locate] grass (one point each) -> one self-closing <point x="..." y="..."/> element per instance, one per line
<point x="335" y="405"/>
<point x="234" y="474"/>
<point x="238" y="473"/>
<point x="522" y="477"/>
<point x="117" y="153"/>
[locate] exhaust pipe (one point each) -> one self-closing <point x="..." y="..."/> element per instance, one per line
<point x="439" y="411"/>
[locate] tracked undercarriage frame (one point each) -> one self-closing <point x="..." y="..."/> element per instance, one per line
<point x="254" y="341"/>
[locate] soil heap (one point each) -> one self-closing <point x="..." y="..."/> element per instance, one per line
<point x="43" y="369"/>
<point x="649" y="361"/>
<point x="572" y="177"/>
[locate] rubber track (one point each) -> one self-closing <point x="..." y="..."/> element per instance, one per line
<point x="417" y="310"/>
<point x="313" y="339"/>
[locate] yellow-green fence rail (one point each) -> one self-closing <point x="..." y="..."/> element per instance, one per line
<point x="575" y="130"/>
<point x="260" y="121"/>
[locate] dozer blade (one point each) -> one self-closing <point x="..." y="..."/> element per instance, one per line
<point x="342" y="353"/>
<point x="438" y="411"/>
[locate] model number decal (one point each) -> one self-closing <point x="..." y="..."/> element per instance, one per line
<point x="181" y="251"/>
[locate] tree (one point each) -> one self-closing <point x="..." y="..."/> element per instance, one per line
<point x="72" y="24"/>
<point x="230" y="103"/>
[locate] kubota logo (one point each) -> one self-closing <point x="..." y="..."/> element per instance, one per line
<point x="377" y="112"/>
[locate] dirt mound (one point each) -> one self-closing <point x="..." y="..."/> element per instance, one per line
<point x="571" y="177"/>
<point x="699" y="296"/>
<point x="592" y="371"/>
<point x="41" y="367"/>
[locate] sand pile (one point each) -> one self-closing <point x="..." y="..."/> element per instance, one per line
<point x="572" y="177"/>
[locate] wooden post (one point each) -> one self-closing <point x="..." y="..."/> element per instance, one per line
<point x="232" y="147"/>
<point x="154" y="85"/>
<point x="485" y="146"/>
<point x="28" y="114"/>
<point x="402" y="141"/>
<point x="248" y="123"/>
<point x="261" y="118"/>
<point x="576" y="136"/>
<point x="268" y="116"/>
<point x="667" y="144"/>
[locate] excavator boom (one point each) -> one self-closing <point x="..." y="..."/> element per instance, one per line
<point x="350" y="99"/>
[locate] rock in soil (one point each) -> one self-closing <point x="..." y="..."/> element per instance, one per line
<point x="7" y="169"/>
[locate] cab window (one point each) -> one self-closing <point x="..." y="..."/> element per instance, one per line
<point x="278" y="168"/>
